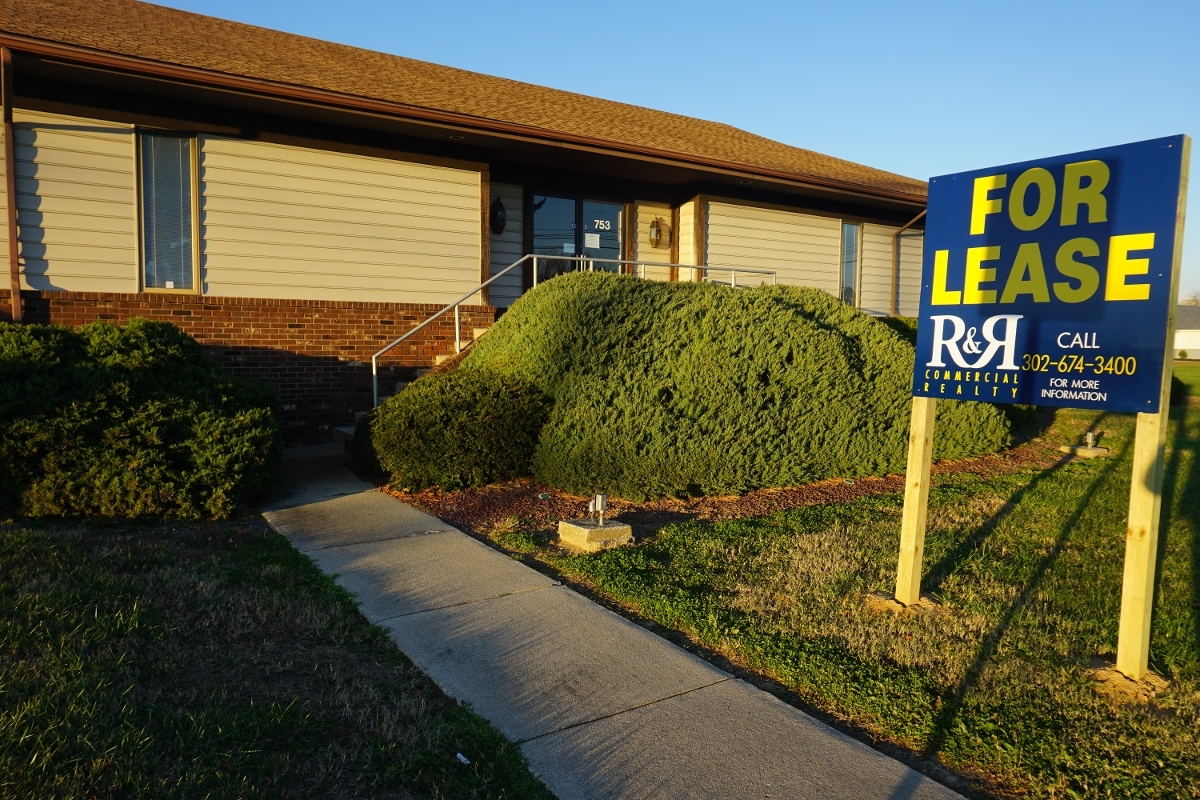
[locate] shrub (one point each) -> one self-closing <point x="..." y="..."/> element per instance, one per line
<point x="906" y="327"/>
<point x="671" y="388"/>
<point x="455" y="429"/>
<point x="126" y="422"/>
<point x="1183" y="355"/>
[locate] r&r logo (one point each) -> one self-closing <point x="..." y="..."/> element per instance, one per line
<point x="960" y="334"/>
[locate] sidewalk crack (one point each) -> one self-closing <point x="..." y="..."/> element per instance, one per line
<point x="412" y="535"/>
<point x="622" y="711"/>
<point x="467" y="602"/>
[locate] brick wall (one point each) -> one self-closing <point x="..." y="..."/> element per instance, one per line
<point x="317" y="353"/>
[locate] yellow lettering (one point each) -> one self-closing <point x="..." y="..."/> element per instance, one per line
<point x="959" y="390"/>
<point x="941" y="266"/>
<point x="1046" y="194"/>
<point x="976" y="275"/>
<point x="994" y="390"/>
<point x="958" y="375"/>
<point x="982" y="205"/>
<point x="1087" y="275"/>
<point x="1014" y="392"/>
<point x="926" y="389"/>
<point x="942" y="388"/>
<point x="1091" y="195"/>
<point x="1121" y="266"/>
<point x="1027" y="263"/>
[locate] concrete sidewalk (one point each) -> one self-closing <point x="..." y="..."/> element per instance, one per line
<point x="601" y="707"/>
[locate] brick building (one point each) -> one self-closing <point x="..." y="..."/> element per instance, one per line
<point x="296" y="205"/>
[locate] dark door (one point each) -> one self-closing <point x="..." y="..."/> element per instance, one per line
<point x="584" y="231"/>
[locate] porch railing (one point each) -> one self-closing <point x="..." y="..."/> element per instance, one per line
<point x="587" y="263"/>
<point x="581" y="263"/>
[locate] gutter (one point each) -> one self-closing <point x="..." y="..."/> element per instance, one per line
<point x="452" y="120"/>
<point x="896" y="262"/>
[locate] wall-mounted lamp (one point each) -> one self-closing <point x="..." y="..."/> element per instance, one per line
<point x="497" y="217"/>
<point x="660" y="234"/>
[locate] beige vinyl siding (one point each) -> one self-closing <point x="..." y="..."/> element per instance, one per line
<point x="803" y="250"/>
<point x="875" y="270"/>
<point x="687" y="240"/>
<point x="912" y="250"/>
<point x="76" y="203"/>
<point x="644" y="214"/>
<point x="875" y="273"/>
<point x="506" y="247"/>
<point x="301" y="224"/>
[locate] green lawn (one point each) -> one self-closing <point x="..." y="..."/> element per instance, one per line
<point x="995" y="685"/>
<point x="1190" y="375"/>
<point x="214" y="660"/>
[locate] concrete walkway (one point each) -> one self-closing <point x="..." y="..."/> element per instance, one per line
<point x="601" y="707"/>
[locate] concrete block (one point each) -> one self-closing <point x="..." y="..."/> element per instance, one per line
<point x="590" y="536"/>
<point x="1083" y="451"/>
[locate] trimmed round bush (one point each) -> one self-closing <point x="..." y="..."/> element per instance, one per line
<point x="454" y="429"/>
<point x="127" y="422"/>
<point x="666" y="389"/>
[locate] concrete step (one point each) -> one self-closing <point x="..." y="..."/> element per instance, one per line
<point x="344" y="435"/>
<point x="478" y="332"/>
<point x="442" y="359"/>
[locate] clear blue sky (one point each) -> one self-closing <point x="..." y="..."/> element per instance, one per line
<point x="919" y="88"/>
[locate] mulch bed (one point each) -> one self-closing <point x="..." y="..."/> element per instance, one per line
<point x="482" y="510"/>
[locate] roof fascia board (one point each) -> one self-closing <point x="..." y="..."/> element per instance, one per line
<point x="708" y="197"/>
<point x="452" y="121"/>
<point x="150" y="121"/>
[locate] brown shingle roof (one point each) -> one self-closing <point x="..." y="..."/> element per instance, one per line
<point x="144" y="31"/>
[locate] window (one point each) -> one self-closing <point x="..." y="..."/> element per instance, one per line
<point x="168" y="212"/>
<point x="849" y="277"/>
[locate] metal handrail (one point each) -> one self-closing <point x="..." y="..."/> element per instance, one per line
<point x="535" y="257"/>
<point x="643" y="264"/>
<point x="457" y="325"/>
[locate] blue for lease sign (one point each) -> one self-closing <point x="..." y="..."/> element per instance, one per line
<point x="1050" y="282"/>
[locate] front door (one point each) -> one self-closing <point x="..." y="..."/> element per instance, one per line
<point x="579" y="232"/>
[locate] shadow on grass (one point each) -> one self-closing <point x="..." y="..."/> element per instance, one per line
<point x="952" y="560"/>
<point x="646" y="523"/>
<point x="1187" y="488"/>
<point x="1028" y="423"/>
<point x="951" y="701"/>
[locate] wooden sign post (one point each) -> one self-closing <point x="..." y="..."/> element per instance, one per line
<point x="1098" y="333"/>
<point x="1145" y="487"/>
<point x="916" y="500"/>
